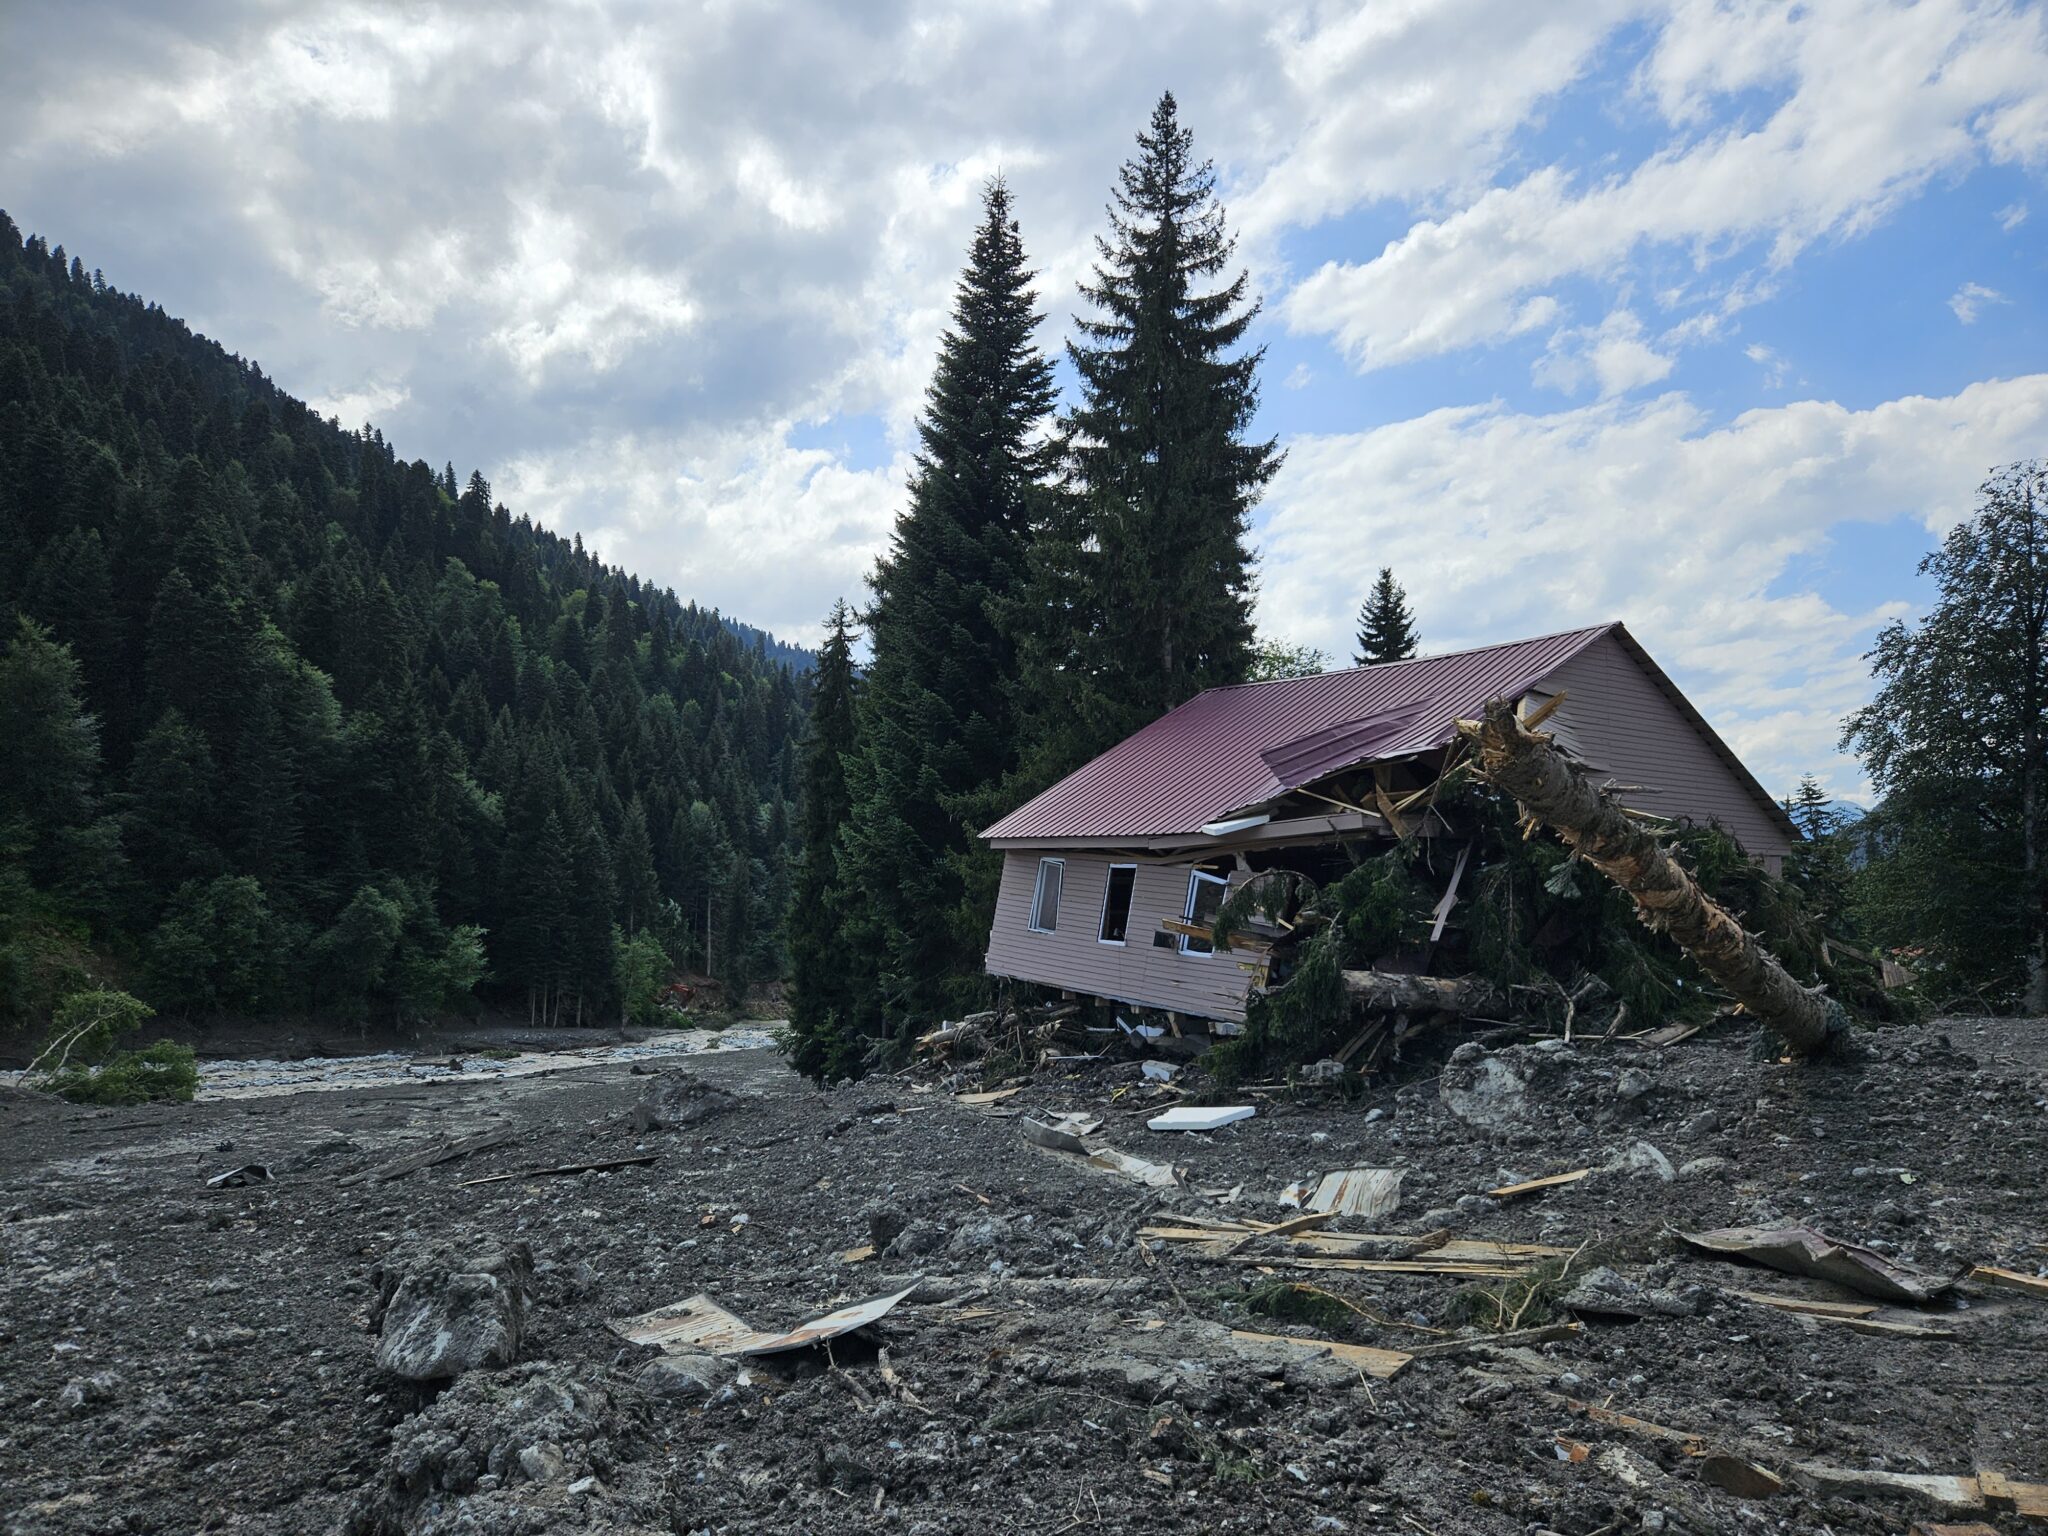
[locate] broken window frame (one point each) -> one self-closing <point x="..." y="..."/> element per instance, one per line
<point x="1038" y="895"/>
<point x="1130" y="896"/>
<point x="1196" y="878"/>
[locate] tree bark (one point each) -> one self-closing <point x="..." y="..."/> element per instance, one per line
<point x="1551" y="790"/>
<point x="1380" y="989"/>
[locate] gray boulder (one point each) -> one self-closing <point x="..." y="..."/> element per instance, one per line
<point x="444" y="1308"/>
<point x="674" y="1099"/>
<point x="1607" y="1293"/>
<point x="1641" y="1159"/>
<point x="685" y="1376"/>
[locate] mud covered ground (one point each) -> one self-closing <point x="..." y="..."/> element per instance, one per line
<point x="174" y="1359"/>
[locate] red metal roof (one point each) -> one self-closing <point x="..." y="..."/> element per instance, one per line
<point x="1230" y="748"/>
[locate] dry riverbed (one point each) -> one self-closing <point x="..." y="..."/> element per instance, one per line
<point x="175" y="1358"/>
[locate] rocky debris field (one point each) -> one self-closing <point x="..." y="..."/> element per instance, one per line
<point x="388" y="1335"/>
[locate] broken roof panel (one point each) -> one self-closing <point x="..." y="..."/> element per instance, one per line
<point x="1230" y="748"/>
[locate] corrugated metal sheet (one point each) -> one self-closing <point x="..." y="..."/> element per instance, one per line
<point x="1210" y="756"/>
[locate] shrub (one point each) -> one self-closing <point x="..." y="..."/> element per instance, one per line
<point x="82" y="1061"/>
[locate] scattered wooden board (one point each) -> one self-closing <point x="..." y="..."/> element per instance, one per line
<point x="1881" y="1329"/>
<point x="1382" y="1364"/>
<point x="566" y="1168"/>
<point x="994" y="1096"/>
<point x="1549" y="1333"/>
<point x="2010" y="1279"/>
<point x="1531" y="1186"/>
<point x="440" y="1150"/>
<point x="1385" y="1266"/>
<point x="1740" y="1476"/>
<point x="1836" y="1309"/>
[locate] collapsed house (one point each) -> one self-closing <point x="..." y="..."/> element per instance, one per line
<point x="1113" y="876"/>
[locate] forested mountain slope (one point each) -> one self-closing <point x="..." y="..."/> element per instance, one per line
<point x="293" y="725"/>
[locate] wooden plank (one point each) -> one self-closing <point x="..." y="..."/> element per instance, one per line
<point x="2010" y="1279"/>
<point x="441" y="1150"/>
<point x="1949" y="1492"/>
<point x="567" y="1168"/>
<point x="1836" y="1309"/>
<point x="1873" y="1326"/>
<point x="995" y="1096"/>
<point x="1464" y="1249"/>
<point x="1385" y="1266"/>
<point x="1549" y="1333"/>
<point x="1740" y="1476"/>
<point x="1532" y="1186"/>
<point x="1382" y="1364"/>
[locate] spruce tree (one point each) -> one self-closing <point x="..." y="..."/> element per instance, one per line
<point x="935" y="727"/>
<point x="1386" y="625"/>
<point x="1156" y="558"/>
<point x="1956" y="743"/>
<point x="820" y="970"/>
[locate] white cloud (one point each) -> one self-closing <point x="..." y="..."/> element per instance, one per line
<point x="1612" y="354"/>
<point x="371" y="401"/>
<point x="1968" y="300"/>
<point x="1879" y="99"/>
<point x="1773" y="364"/>
<point x="741" y="521"/>
<point x="609" y="252"/>
<point x="1407" y="100"/>
<point x="1502" y="524"/>
<point x="2011" y="216"/>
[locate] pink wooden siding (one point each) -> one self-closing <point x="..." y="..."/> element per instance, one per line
<point x="1206" y="986"/>
<point x="1618" y="719"/>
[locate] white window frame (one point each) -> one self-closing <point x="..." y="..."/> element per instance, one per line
<point x="1102" y="919"/>
<point x="1195" y="880"/>
<point x="1038" y="896"/>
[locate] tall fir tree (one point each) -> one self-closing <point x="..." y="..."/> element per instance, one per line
<point x="1144" y="584"/>
<point x="935" y="729"/>
<point x="1386" y="624"/>
<point x="821" y="994"/>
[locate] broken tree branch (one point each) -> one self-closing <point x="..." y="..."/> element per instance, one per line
<point x="1382" y="989"/>
<point x="1550" y="789"/>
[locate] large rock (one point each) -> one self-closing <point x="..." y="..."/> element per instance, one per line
<point x="685" y="1376"/>
<point x="674" y="1099"/>
<point x="446" y="1308"/>
<point x="1608" y="1293"/>
<point x="1641" y="1159"/>
<point x="1504" y="1090"/>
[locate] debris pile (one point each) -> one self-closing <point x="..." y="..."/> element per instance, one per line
<point x="1559" y="1288"/>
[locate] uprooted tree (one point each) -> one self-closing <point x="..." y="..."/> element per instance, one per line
<point x="1552" y="791"/>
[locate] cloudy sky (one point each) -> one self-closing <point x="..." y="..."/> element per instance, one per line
<point x="1708" y="317"/>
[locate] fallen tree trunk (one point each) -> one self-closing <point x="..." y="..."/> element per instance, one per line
<point x="1380" y="989"/>
<point x="1551" y="790"/>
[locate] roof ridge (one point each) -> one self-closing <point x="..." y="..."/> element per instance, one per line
<point x="1374" y="666"/>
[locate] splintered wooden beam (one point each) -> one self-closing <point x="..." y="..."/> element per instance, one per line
<point x="1811" y="1308"/>
<point x="1531" y="1186"/>
<point x="1382" y="1364"/>
<point x="2010" y="1279"/>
